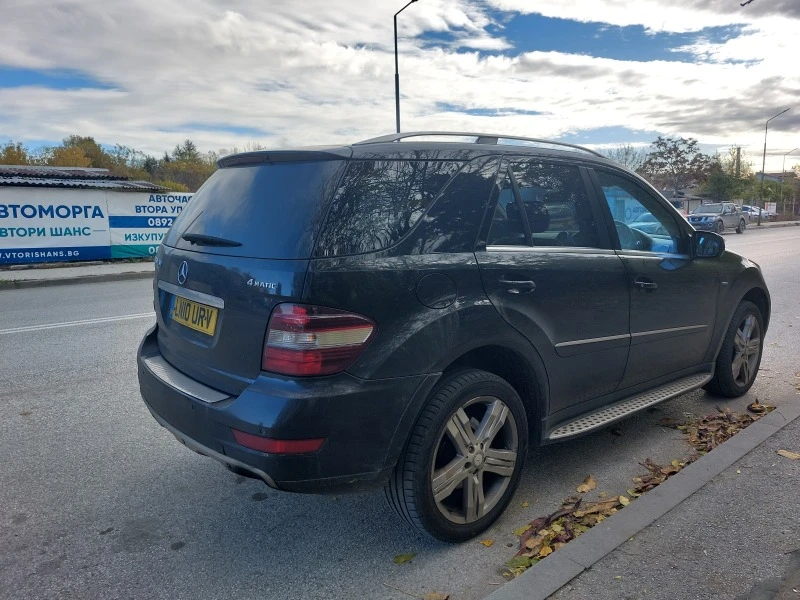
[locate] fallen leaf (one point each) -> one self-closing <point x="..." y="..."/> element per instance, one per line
<point x="624" y="500"/>
<point x="404" y="558"/>
<point x="556" y="528"/>
<point x="487" y="543"/>
<point x="676" y="464"/>
<point x="602" y="495"/>
<point x="587" y="486"/>
<point x="518" y="564"/>
<point x="526" y="504"/>
<point x="757" y="408"/>
<point x="534" y="542"/>
<point x="545" y="551"/>
<point x="789" y="454"/>
<point x="518" y="532"/>
<point x="436" y="596"/>
<point x="633" y="493"/>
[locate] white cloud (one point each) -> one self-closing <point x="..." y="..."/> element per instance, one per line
<point x="315" y="71"/>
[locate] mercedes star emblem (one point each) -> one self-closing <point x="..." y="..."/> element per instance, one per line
<point x="183" y="272"/>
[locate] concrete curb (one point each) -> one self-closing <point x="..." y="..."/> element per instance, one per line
<point x="558" y="569"/>
<point x="755" y="227"/>
<point x="98" y="278"/>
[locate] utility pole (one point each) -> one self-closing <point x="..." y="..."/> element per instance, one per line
<point x="764" y="165"/>
<point x="397" y="68"/>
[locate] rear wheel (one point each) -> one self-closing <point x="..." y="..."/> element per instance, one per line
<point x="740" y="356"/>
<point x="464" y="458"/>
<point x="741" y="227"/>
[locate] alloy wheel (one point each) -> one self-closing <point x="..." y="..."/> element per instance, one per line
<point x="475" y="459"/>
<point x="746" y="350"/>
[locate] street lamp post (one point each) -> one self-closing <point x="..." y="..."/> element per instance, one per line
<point x="783" y="176"/>
<point x="396" y="67"/>
<point x="764" y="165"/>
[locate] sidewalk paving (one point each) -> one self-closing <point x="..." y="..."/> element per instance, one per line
<point x="736" y="537"/>
<point x="26" y="278"/>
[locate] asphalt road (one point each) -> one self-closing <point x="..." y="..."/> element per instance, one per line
<point x="98" y="501"/>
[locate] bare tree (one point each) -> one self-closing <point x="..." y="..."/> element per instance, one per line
<point x="627" y="155"/>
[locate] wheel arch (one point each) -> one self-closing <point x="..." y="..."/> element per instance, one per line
<point x="518" y="363"/>
<point x="528" y="378"/>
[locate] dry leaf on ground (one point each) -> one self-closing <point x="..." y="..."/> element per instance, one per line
<point x="436" y="596"/>
<point x="789" y="454"/>
<point x="587" y="486"/>
<point x="404" y="558"/>
<point x="487" y="543"/>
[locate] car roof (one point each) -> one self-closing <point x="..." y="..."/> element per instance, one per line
<point x="439" y="145"/>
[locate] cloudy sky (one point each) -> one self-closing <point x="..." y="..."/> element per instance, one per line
<point x="150" y="73"/>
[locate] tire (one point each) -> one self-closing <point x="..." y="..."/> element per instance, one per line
<point x="446" y="439"/>
<point x="729" y="380"/>
<point x="741" y="227"/>
<point x="720" y="227"/>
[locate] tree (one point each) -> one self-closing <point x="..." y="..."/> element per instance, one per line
<point x="677" y="161"/>
<point x="729" y="176"/>
<point x="14" y="154"/>
<point x="186" y="152"/>
<point x="627" y="155"/>
<point x="61" y="156"/>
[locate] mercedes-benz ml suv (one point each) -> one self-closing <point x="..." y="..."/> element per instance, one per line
<point x="413" y="311"/>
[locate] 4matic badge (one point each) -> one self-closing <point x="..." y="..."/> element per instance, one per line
<point x="262" y="284"/>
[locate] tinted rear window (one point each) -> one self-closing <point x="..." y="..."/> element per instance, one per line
<point x="273" y="210"/>
<point x="379" y="202"/>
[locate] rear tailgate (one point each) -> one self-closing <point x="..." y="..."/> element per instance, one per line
<point x="240" y="247"/>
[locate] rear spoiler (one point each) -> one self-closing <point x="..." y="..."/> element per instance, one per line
<point x="275" y="156"/>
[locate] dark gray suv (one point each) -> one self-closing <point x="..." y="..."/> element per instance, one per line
<point x="413" y="311"/>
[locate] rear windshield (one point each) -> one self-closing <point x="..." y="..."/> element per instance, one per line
<point x="271" y="210"/>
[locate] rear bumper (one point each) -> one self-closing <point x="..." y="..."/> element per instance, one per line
<point x="364" y="423"/>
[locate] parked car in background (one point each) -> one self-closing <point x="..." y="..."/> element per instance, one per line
<point x="647" y="223"/>
<point x="718" y="217"/>
<point x="413" y="315"/>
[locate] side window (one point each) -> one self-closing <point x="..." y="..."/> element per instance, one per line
<point x="641" y="220"/>
<point x="507" y="227"/>
<point x="379" y="202"/>
<point x="556" y="207"/>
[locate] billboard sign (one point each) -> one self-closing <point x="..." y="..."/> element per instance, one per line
<point x="55" y="224"/>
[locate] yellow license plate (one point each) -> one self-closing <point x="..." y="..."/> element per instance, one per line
<point x="194" y="315"/>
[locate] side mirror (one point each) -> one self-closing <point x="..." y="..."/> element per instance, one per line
<point x="707" y="244"/>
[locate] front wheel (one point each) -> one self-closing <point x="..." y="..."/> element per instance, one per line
<point x="464" y="458"/>
<point x="741" y="227"/>
<point x="720" y="227"/>
<point x="740" y="356"/>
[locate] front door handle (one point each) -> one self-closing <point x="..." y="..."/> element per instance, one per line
<point x="518" y="287"/>
<point x="644" y="283"/>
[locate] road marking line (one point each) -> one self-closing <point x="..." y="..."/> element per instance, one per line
<point x="75" y="323"/>
<point x="735" y="244"/>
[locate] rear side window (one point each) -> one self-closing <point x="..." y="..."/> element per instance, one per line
<point x="379" y="202"/>
<point x="271" y="210"/>
<point x="551" y="200"/>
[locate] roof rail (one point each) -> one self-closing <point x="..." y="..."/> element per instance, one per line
<point x="480" y="138"/>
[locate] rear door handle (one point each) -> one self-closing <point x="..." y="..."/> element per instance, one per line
<point x="644" y="283"/>
<point x="518" y="287"/>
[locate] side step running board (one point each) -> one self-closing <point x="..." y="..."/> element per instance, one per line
<point x="624" y="408"/>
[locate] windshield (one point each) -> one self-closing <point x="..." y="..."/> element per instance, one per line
<point x="709" y="209"/>
<point x="265" y="210"/>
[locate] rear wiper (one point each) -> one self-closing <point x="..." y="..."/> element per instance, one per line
<point x="208" y="240"/>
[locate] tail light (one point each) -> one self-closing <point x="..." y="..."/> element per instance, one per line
<point x="310" y="340"/>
